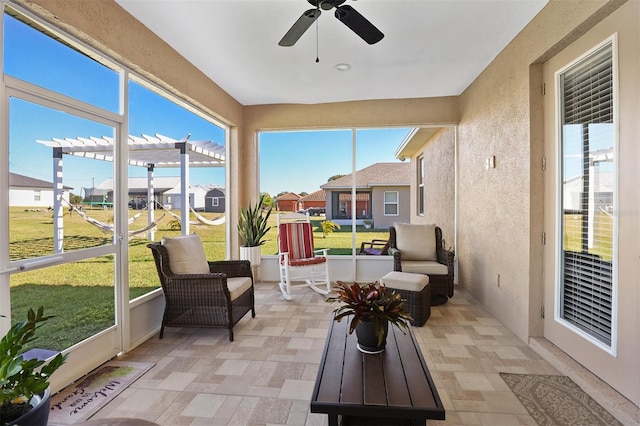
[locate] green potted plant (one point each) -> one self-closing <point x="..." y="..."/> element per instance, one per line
<point x="368" y="224"/>
<point x="24" y="383"/>
<point x="252" y="227"/>
<point x="372" y="307"/>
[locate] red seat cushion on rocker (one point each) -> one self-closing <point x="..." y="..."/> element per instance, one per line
<point x="305" y="262"/>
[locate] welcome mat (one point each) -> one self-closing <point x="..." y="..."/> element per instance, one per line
<point x="557" y="400"/>
<point x="87" y="396"/>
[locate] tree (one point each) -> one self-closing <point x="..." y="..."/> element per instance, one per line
<point x="268" y="201"/>
<point x="303" y="193"/>
<point x="334" y="177"/>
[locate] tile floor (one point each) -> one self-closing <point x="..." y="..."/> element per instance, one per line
<point x="266" y="376"/>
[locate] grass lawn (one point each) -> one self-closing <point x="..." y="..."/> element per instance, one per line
<point x="81" y="295"/>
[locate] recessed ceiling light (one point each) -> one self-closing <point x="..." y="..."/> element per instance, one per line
<point x="343" y="67"/>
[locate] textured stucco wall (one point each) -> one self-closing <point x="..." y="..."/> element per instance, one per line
<point x="496" y="219"/>
<point x="439" y="183"/>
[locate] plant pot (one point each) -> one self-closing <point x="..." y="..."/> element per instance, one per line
<point x="39" y="414"/>
<point x="367" y="338"/>
<point x="252" y="254"/>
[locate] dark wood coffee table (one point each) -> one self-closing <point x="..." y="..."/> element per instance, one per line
<point x="393" y="387"/>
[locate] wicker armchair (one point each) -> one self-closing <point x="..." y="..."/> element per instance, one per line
<point x="438" y="265"/>
<point x="216" y="299"/>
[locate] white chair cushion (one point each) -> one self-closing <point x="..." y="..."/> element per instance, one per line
<point x="405" y="281"/>
<point x="237" y="286"/>
<point x="186" y="254"/>
<point x="428" y="267"/>
<point x="416" y="241"/>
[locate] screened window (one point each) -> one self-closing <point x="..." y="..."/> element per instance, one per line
<point x="391" y="199"/>
<point x="342" y="200"/>
<point x="36" y="55"/>
<point x="588" y="194"/>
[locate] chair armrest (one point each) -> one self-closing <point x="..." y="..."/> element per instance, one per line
<point x="362" y="247"/>
<point x="379" y="242"/>
<point x="324" y="251"/>
<point x="397" y="258"/>
<point x="232" y="268"/>
<point x="445" y="257"/>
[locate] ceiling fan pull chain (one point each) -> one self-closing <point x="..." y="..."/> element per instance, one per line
<point x="317" y="42"/>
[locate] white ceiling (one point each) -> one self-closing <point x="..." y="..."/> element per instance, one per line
<point x="430" y="48"/>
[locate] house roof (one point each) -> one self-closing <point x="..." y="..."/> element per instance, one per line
<point x="318" y="195"/>
<point x="378" y="174"/>
<point x="212" y="186"/>
<point x="289" y="196"/>
<point x="21" y="181"/>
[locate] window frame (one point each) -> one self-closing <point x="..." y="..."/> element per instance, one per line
<point x="559" y="312"/>
<point x="420" y="201"/>
<point x="388" y="203"/>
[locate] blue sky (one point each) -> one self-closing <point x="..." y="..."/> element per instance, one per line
<point x="289" y="161"/>
<point x="302" y="161"/>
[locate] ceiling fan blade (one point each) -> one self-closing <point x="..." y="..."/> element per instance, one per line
<point x="359" y="24"/>
<point x="299" y="27"/>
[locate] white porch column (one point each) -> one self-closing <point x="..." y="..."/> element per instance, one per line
<point x="58" y="208"/>
<point x="184" y="186"/>
<point x="151" y="205"/>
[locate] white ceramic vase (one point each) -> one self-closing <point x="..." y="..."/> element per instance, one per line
<point x="252" y="254"/>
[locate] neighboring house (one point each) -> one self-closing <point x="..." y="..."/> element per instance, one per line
<point x="26" y="191"/>
<point x="601" y="192"/>
<point x="214" y="199"/>
<point x="289" y="202"/>
<point x="166" y="190"/>
<point x="315" y="199"/>
<point x="173" y="197"/>
<point x="382" y="195"/>
<point x="137" y="190"/>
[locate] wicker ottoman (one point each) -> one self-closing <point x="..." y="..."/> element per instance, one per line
<point x="415" y="289"/>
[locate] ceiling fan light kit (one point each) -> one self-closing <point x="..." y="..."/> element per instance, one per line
<point x="345" y="14"/>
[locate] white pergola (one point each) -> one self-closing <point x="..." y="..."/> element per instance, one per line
<point x="147" y="151"/>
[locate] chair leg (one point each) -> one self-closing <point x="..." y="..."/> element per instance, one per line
<point x="285" y="283"/>
<point x="231" y="334"/>
<point x="326" y="281"/>
<point x="161" y="331"/>
<point x="285" y="290"/>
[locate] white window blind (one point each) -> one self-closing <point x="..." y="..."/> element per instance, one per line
<point x="588" y="176"/>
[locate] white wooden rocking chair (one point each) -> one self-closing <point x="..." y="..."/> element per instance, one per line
<point x="297" y="258"/>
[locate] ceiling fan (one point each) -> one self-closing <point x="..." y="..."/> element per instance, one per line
<point x="345" y="14"/>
